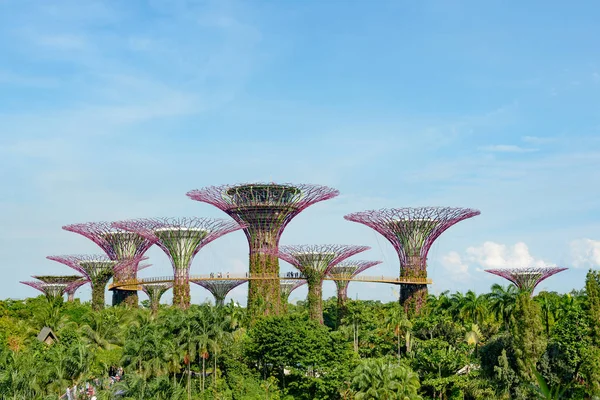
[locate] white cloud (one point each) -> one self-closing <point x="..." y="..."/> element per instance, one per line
<point x="507" y="148"/>
<point x="456" y="268"/>
<point x="538" y="139"/>
<point x="585" y="253"/>
<point x="497" y="255"/>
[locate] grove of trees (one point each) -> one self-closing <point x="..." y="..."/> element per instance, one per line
<point x="503" y="344"/>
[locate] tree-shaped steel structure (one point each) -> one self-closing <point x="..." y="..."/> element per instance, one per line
<point x="315" y="261"/>
<point x="342" y="273"/>
<point x="181" y="239"/>
<point x="412" y="231"/>
<point x="51" y="290"/>
<point x="73" y="282"/>
<point x="287" y="287"/>
<point x="265" y="209"/>
<point x="527" y="278"/>
<point x="118" y="244"/>
<point x="155" y="292"/>
<point x="220" y="288"/>
<point x="97" y="269"/>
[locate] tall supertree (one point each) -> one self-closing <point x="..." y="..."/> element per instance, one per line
<point x="341" y="274"/>
<point x="219" y="288"/>
<point x="287" y="287"/>
<point x="412" y="231"/>
<point x="315" y="262"/>
<point x="527" y="278"/>
<point x="181" y="239"/>
<point x="97" y="269"/>
<point x="155" y="292"/>
<point x="51" y="290"/>
<point x="118" y="244"/>
<point x="73" y="282"/>
<point x="265" y="209"/>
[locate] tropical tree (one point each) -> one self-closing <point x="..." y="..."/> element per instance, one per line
<point x="382" y="379"/>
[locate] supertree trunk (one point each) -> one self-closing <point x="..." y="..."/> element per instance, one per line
<point x="342" y="297"/>
<point x="413" y="296"/>
<point x="71" y="295"/>
<point x="98" y="289"/>
<point x="264" y="295"/>
<point x="181" y="288"/>
<point x="128" y="298"/>
<point x="315" y="298"/>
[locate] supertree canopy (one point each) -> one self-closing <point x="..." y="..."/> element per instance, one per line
<point x="288" y="286"/>
<point x="155" y="292"/>
<point x="526" y="279"/>
<point x="265" y="209"/>
<point x="181" y="239"/>
<point x="342" y="273"/>
<point x="220" y="288"/>
<point x="412" y="231"/>
<point x="315" y="261"/>
<point x="97" y="269"/>
<point x="118" y="244"/>
<point x="51" y="290"/>
<point x="73" y="282"/>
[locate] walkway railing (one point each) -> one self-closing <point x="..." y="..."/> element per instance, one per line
<point x="225" y="276"/>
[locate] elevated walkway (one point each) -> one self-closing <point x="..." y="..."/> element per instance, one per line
<point x="134" y="284"/>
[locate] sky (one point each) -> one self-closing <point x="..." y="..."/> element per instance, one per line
<point x="113" y="110"/>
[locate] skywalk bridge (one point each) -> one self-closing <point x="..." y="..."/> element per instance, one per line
<point x="135" y="284"/>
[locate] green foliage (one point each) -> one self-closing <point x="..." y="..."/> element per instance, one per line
<point x="461" y="346"/>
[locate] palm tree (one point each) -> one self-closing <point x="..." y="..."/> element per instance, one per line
<point x="400" y="324"/>
<point x="473" y="307"/>
<point x="502" y="302"/>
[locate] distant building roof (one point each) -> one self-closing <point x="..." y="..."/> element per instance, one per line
<point x="47" y="336"/>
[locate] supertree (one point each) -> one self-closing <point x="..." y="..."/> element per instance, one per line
<point x="181" y="239"/>
<point x="51" y="290"/>
<point x="73" y="282"/>
<point x="118" y="244"/>
<point x="219" y="288"/>
<point x="97" y="269"/>
<point x="155" y="292"/>
<point x="341" y="274"/>
<point x="412" y="231"/>
<point x="527" y="278"/>
<point x="287" y="287"/>
<point x="315" y="261"/>
<point x="265" y="209"/>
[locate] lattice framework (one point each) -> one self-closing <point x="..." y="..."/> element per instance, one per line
<point x="97" y="269"/>
<point x="346" y="270"/>
<point x="181" y="239"/>
<point x="51" y="290"/>
<point x="315" y="262"/>
<point x="154" y="291"/>
<point x="266" y="209"/>
<point x="412" y="232"/>
<point x="220" y="289"/>
<point x="526" y="278"/>
<point x="288" y="286"/>
<point x="118" y="244"/>
<point x="73" y="282"/>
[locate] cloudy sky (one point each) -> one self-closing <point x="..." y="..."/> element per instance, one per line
<point x="112" y="110"/>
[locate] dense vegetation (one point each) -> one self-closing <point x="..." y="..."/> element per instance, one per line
<point x="499" y="345"/>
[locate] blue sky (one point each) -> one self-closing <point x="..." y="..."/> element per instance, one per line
<point x="112" y="110"/>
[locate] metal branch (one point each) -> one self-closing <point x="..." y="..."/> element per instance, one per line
<point x="265" y="209"/>
<point x="181" y="239"/>
<point x="527" y="278"/>
<point x="219" y="289"/>
<point x="412" y="231"/>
